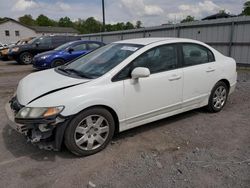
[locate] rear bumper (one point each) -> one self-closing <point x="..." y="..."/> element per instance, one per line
<point x="233" y="83"/>
<point x="232" y="88"/>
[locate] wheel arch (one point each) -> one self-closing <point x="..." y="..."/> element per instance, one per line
<point x="60" y="133"/>
<point x="26" y="51"/>
<point x="226" y="82"/>
<point x="113" y="113"/>
<point x="108" y="108"/>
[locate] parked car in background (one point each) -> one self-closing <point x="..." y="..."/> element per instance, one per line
<point x="5" y="51"/>
<point x="2" y="46"/>
<point x="24" y="54"/>
<point x="122" y="85"/>
<point x="64" y="53"/>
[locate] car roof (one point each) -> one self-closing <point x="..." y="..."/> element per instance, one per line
<point x="85" y="41"/>
<point x="147" y="41"/>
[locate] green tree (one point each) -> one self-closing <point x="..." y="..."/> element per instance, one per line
<point x="42" y="20"/>
<point x="27" y="20"/>
<point x="2" y="19"/>
<point x="129" y="25"/>
<point x="138" y="24"/>
<point x="92" y="25"/>
<point x="188" y="19"/>
<point x="246" y="9"/>
<point x="65" y="22"/>
<point x="109" y="27"/>
<point x="80" y="25"/>
<point x="222" y="11"/>
<point x="119" y="26"/>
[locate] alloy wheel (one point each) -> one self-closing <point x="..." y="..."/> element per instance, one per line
<point x="220" y="96"/>
<point x="27" y="58"/>
<point x="91" y="132"/>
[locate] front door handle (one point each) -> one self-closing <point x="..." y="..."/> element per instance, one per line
<point x="210" y="69"/>
<point x="174" y="77"/>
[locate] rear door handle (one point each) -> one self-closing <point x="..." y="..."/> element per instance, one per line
<point x="174" y="77"/>
<point x="210" y="69"/>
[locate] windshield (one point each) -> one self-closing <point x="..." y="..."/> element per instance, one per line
<point x="64" y="46"/>
<point x="32" y="40"/>
<point x="102" y="60"/>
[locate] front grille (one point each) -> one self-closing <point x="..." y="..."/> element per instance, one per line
<point x="15" y="105"/>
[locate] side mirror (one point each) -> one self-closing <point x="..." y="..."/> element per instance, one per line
<point x="70" y="50"/>
<point x="140" y="72"/>
<point x="37" y="44"/>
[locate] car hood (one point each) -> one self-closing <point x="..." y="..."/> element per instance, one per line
<point x="42" y="83"/>
<point x="51" y="52"/>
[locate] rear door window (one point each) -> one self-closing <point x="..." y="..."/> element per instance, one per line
<point x="194" y="54"/>
<point x="58" y="40"/>
<point x="44" y="41"/>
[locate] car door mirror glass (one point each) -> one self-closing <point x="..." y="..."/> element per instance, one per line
<point x="70" y="50"/>
<point x="37" y="44"/>
<point x="140" y="72"/>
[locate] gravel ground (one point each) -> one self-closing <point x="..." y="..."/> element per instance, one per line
<point x="193" y="149"/>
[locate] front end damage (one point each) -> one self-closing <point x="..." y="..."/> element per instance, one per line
<point x="46" y="133"/>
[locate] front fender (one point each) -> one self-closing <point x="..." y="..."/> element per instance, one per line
<point x="80" y="97"/>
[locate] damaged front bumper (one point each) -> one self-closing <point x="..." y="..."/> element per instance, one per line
<point x="45" y="134"/>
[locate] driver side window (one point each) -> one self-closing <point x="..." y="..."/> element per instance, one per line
<point x="80" y="47"/>
<point x="158" y="59"/>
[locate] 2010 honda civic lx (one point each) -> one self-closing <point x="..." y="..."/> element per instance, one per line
<point x="117" y="87"/>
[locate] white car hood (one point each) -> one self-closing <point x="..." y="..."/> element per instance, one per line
<point x="41" y="83"/>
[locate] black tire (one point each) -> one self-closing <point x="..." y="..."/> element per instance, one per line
<point x="57" y="62"/>
<point x="70" y="137"/>
<point x="212" y="103"/>
<point x="25" y="58"/>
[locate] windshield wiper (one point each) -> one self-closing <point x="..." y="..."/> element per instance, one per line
<point x="78" y="73"/>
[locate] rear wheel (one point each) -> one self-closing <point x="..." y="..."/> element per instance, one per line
<point x="90" y="131"/>
<point x="218" y="97"/>
<point x="25" y="58"/>
<point x="57" y="62"/>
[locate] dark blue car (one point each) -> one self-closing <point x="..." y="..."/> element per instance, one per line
<point x="64" y="53"/>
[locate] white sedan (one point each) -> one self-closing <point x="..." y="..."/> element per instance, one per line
<point x="120" y="86"/>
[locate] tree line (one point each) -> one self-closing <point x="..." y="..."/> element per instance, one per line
<point x="90" y="25"/>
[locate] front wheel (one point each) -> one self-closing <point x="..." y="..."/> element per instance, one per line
<point x="57" y="62"/>
<point x="218" y="97"/>
<point x="25" y="58"/>
<point x="90" y="131"/>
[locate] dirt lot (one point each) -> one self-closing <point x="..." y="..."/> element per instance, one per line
<point x="194" y="149"/>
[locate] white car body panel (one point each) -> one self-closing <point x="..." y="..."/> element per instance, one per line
<point x="150" y="99"/>
<point x="40" y="83"/>
<point x="136" y="95"/>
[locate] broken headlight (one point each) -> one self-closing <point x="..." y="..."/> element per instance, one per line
<point x="38" y="112"/>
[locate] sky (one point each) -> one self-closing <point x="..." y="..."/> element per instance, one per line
<point x="150" y="12"/>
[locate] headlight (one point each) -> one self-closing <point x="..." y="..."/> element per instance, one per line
<point x="15" y="49"/>
<point x="38" y="112"/>
<point x="45" y="56"/>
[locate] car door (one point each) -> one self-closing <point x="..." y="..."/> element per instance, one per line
<point x="42" y="44"/>
<point x="158" y="94"/>
<point x="199" y="74"/>
<point x="77" y="50"/>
